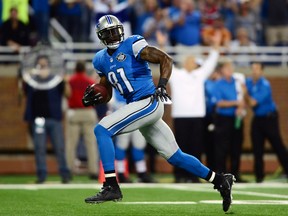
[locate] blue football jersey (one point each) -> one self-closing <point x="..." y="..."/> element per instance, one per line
<point x="125" y="70"/>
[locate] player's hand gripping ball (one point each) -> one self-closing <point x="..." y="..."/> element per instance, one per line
<point x="95" y="94"/>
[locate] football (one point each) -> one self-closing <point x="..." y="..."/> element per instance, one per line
<point x="99" y="88"/>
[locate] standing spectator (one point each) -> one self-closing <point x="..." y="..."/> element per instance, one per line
<point x="0" y="14"/>
<point x="150" y="7"/>
<point x="229" y="9"/>
<point x="183" y="19"/>
<point x="217" y="27"/>
<point x="122" y="142"/>
<point x="228" y="125"/>
<point x="265" y="123"/>
<point x="209" y="125"/>
<point x="188" y="109"/>
<point x="247" y="18"/>
<point x="210" y="12"/>
<point x="151" y="23"/>
<point x="79" y="120"/>
<point x="41" y="18"/>
<point x="87" y="7"/>
<point x="69" y="13"/>
<point x="277" y="22"/>
<point x="43" y="112"/>
<point x="122" y="9"/>
<point x="14" y="32"/>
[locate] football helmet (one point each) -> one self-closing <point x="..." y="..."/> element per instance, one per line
<point x="110" y="31"/>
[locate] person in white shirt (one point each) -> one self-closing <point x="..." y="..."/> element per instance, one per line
<point x="188" y="108"/>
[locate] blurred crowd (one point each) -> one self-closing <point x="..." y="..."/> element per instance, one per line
<point x="161" y="22"/>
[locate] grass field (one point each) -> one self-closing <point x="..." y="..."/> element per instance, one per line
<point x="141" y="199"/>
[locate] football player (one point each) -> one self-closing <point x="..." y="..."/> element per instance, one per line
<point x="123" y="65"/>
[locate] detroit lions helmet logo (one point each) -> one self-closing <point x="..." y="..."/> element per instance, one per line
<point x="121" y="57"/>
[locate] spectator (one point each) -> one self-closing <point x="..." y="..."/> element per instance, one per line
<point x="87" y="7"/>
<point x="228" y="125"/>
<point x="22" y="7"/>
<point x="242" y="40"/>
<point x="164" y="3"/>
<point x="210" y="12"/>
<point x="0" y="14"/>
<point x="137" y="149"/>
<point x="247" y="18"/>
<point x="209" y="125"/>
<point x="277" y="22"/>
<point x="14" y="32"/>
<point x="265" y="123"/>
<point x="218" y="26"/>
<point x="69" y="13"/>
<point x="151" y="23"/>
<point x="229" y="9"/>
<point x="151" y="7"/>
<point x="79" y="121"/>
<point x="43" y="112"/>
<point x="41" y="18"/>
<point x="183" y="19"/>
<point x="188" y="114"/>
<point x="121" y="9"/>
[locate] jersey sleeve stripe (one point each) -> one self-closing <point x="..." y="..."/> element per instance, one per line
<point x="138" y="46"/>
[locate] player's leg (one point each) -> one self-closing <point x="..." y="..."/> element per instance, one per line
<point x="126" y="119"/>
<point x="138" y="154"/>
<point x="161" y="137"/>
<point x="121" y="146"/>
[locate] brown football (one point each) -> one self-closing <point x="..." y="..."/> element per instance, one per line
<point x="99" y="88"/>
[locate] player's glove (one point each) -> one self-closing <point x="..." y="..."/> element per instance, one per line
<point x="90" y="98"/>
<point x="161" y="92"/>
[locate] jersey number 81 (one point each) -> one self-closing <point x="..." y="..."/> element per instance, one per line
<point x="119" y="84"/>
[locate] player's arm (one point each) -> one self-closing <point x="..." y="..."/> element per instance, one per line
<point x="154" y="55"/>
<point x="104" y="81"/>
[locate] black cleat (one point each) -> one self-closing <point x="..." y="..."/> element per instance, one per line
<point x="107" y="193"/>
<point x="123" y="179"/>
<point x="146" y="179"/>
<point x="225" y="190"/>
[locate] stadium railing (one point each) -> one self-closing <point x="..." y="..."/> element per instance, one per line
<point x="85" y="51"/>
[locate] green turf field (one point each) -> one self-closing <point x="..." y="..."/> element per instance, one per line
<point x="142" y="199"/>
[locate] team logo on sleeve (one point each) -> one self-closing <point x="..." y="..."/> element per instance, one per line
<point x="121" y="57"/>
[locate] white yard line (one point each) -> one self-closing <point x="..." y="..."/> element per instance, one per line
<point x="206" y="188"/>
<point x="159" y="203"/>
<point x="236" y="202"/>
<point x="248" y="202"/>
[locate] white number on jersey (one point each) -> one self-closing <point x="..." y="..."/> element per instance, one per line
<point x="115" y="82"/>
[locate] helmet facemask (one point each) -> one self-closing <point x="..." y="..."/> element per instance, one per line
<point x="112" y="36"/>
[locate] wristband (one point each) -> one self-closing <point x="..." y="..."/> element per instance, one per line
<point x="162" y="82"/>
